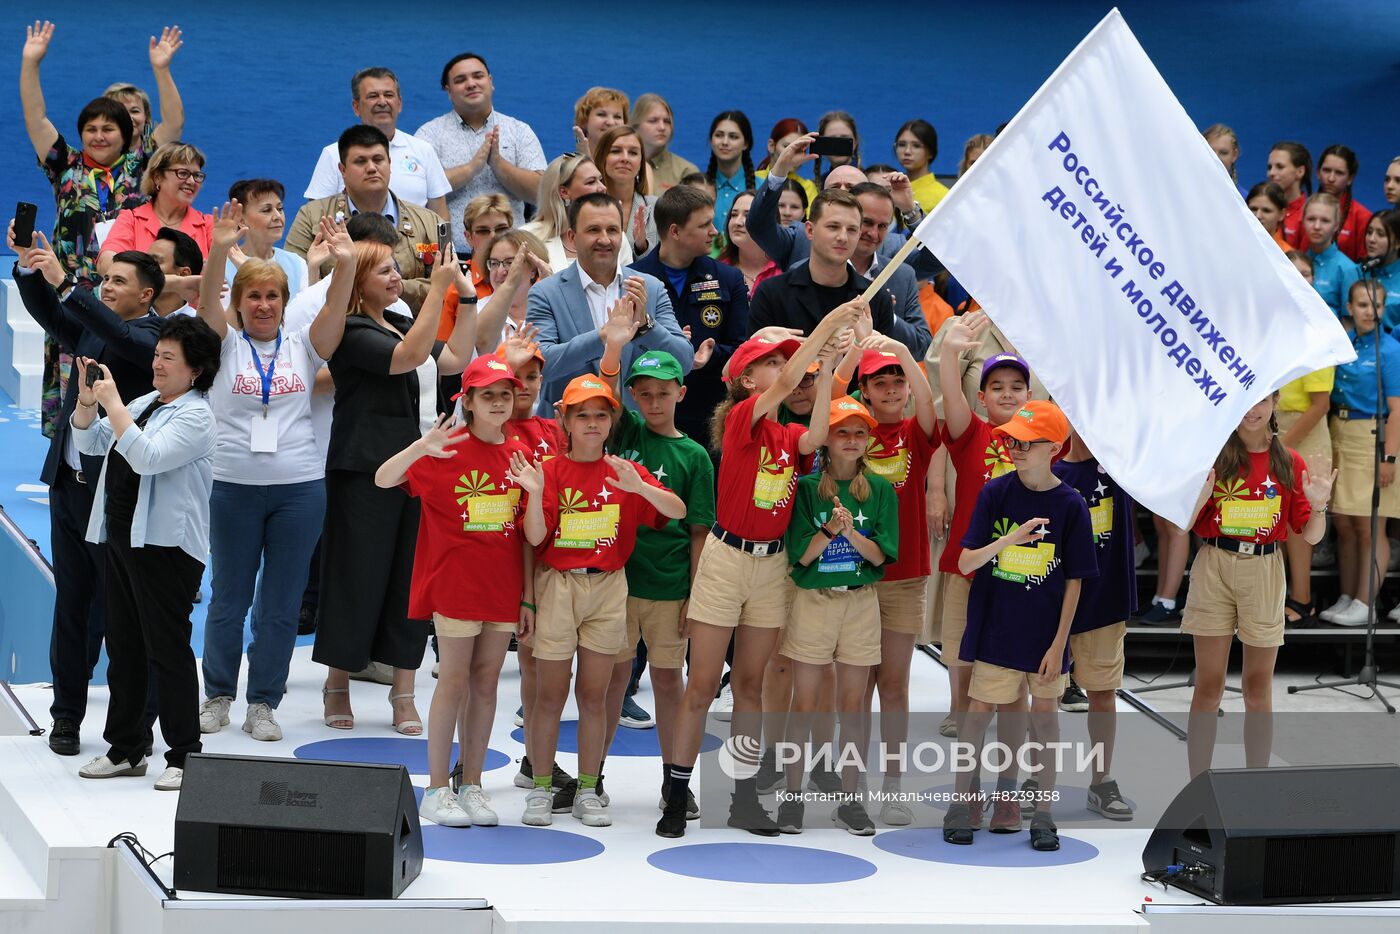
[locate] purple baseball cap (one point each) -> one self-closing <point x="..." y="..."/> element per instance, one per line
<point x="1001" y="360"/>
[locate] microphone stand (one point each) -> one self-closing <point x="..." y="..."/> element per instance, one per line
<point x="1369" y="675"/>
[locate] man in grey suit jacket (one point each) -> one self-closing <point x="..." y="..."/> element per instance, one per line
<point x="570" y="307"/>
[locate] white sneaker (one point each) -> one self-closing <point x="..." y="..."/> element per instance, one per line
<point x="213" y="714"/>
<point x="1355" y="615"/>
<point x="590" y="809"/>
<point x="723" y="707"/>
<point x="440" y="806"/>
<point x="1394" y="615"/>
<point x="262" y="724"/>
<point x="102" y="767"/>
<point x="1343" y="602"/>
<point x="377" y="672"/>
<point x="539" y="808"/>
<point x="896" y="814"/>
<point x="473" y="800"/>
<point x="170" y="779"/>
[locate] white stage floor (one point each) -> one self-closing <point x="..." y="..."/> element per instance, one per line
<point x="583" y="878"/>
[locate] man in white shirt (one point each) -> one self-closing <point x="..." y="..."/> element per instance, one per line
<point x="417" y="175"/>
<point x="482" y="150"/>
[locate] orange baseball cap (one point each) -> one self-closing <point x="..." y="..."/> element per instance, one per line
<point x="847" y="407"/>
<point x="585" y="387"/>
<point x="485" y="370"/>
<point x="755" y="349"/>
<point x="1037" y="420"/>
<point x="534" y="352"/>
<point x="872" y="361"/>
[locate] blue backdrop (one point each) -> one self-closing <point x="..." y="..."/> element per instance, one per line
<point x="266" y="83"/>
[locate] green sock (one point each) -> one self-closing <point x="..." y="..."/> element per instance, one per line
<point x="542" y="781"/>
<point x="587" y="781"/>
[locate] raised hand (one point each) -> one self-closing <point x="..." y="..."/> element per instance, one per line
<point x="1027" y="533"/>
<point x="228" y="226"/>
<point x="1319" y="490"/>
<point x="621" y="325"/>
<point x="627" y="479"/>
<point x="777" y="333"/>
<point x="525" y="474"/>
<point x="542" y="268"/>
<point x="164" y="48"/>
<point x="580" y="140"/>
<point x="337" y="241"/>
<point x="864" y="326"/>
<point x="901" y="192"/>
<point x="639" y="225"/>
<point x="636" y="288"/>
<point x="965" y="333"/>
<point x="445" y="273"/>
<point x="105" y="389"/>
<point x="85" y="393"/>
<point x="36" y="41"/>
<point x="703" y="353"/>
<point x="878" y="341"/>
<point x="520" y="347"/>
<point x="793" y="155"/>
<point x="440" y="440"/>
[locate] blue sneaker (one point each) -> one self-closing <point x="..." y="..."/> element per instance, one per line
<point x="1159" y="615"/>
<point x="520" y="715"/>
<point x="634" y="717"/>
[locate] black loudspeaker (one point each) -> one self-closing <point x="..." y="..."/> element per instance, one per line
<point x="297" y="828"/>
<point x="1282" y="835"/>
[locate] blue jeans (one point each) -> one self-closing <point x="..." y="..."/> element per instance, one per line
<point x="275" y="527"/>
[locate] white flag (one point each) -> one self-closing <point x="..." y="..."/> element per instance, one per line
<point x="1104" y="237"/>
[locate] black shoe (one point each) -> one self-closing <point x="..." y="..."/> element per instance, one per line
<point x="454" y="778"/>
<point x="790" y="815"/>
<point x="823" y="779"/>
<point x="1030" y="797"/>
<point x="1074" y="700"/>
<point x="769" y="777"/>
<point x="63" y="737"/>
<point x="692" y="809"/>
<point x="957" y="825"/>
<point x="1158" y="615"/>
<point x="603" y="795"/>
<point x="513" y="645"/>
<point x="306" y="621"/>
<point x="671" y="825"/>
<point x="198" y="595"/>
<point x="1106" y="799"/>
<point x="853" y="817"/>
<point x="1045" y="835"/>
<point x="745" y="813"/>
<point x="564" y="797"/>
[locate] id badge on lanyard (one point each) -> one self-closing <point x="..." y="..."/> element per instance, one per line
<point x="263" y="434"/>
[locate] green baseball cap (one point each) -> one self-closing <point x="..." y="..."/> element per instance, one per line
<point x="657" y="364"/>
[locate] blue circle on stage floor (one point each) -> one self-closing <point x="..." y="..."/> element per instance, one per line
<point x="761" y="863"/>
<point x="1002" y="850"/>
<point x="506" y="845"/>
<point x="627" y="742"/>
<point x="1072" y="806"/>
<point x="410" y="753"/>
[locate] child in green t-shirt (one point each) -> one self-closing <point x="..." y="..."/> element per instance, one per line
<point x="663" y="563"/>
<point x="844" y="529"/>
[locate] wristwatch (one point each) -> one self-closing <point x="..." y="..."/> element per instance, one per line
<point x="66" y="286"/>
<point x="643" y="328"/>
<point x="1387" y="458"/>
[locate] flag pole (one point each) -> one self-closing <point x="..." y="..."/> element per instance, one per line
<point x="895" y="262"/>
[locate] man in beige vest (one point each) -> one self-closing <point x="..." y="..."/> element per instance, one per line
<point x="364" y="164"/>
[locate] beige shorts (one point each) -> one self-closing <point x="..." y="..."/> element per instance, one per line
<point x="1355" y="448"/>
<point x="993" y="684"/>
<point x="1098" y="657"/>
<point x="833" y="625"/>
<point x="956" y="589"/>
<point x="446" y="626"/>
<point x="1236" y="593"/>
<point x="734" y="588"/>
<point x="1316" y="445"/>
<point x="657" y="622"/>
<point x="902" y="604"/>
<point x="578" y="610"/>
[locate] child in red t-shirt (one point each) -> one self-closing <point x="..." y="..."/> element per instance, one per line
<point x="901" y="450"/>
<point x="741" y="582"/>
<point x="471" y="519"/>
<point x="1258" y="490"/>
<point x="582" y="516"/>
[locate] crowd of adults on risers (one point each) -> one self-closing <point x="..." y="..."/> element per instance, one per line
<point x="250" y="390"/>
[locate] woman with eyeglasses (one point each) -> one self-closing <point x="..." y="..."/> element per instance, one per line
<point x="570" y="176"/>
<point x="515" y="260"/>
<point x="172" y="181"/>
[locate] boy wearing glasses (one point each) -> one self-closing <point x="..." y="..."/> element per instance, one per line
<point x="1030" y="542"/>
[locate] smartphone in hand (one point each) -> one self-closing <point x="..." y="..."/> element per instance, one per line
<point x="444" y="237"/>
<point x="94" y="373"/>
<point x="25" y="213"/>
<point x="842" y="147"/>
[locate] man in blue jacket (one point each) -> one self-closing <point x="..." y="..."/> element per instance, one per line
<point x="570" y="307"/>
<point x="710" y="299"/>
<point x="122" y="336"/>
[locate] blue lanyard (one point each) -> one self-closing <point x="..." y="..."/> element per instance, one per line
<point x="265" y="376"/>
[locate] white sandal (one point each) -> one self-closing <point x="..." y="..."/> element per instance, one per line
<point x="406" y="727"/>
<point x="333" y="719"/>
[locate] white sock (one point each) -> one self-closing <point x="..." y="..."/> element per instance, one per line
<point x="1165" y="602"/>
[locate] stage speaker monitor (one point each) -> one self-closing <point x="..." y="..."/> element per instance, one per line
<point x="1283" y="835"/>
<point x="297" y="828"/>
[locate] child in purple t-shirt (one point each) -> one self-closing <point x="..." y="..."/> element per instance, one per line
<point x="1030" y="543"/>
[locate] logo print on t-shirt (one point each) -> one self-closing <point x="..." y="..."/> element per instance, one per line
<point x="1101" y="514"/>
<point x="585" y="524"/>
<point x="893" y="464"/>
<point x="1022" y="564"/>
<point x="997" y="461"/>
<point x="1240" y="516"/>
<point x="773" y="483"/>
<point x="486" y="510"/>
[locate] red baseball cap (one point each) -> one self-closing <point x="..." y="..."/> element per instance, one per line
<point x="872" y="361"/>
<point x="755" y="349"/>
<point x="485" y="370"/>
